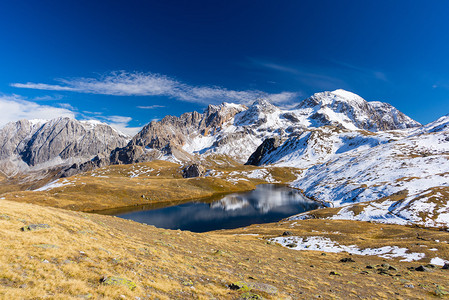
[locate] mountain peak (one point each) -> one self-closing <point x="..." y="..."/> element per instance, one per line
<point x="334" y="98"/>
<point x="349" y="96"/>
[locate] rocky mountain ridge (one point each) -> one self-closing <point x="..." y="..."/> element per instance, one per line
<point x="237" y="131"/>
<point x="39" y="144"/>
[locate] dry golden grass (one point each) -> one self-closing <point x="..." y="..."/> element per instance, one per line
<point x="159" y="181"/>
<point x="67" y="260"/>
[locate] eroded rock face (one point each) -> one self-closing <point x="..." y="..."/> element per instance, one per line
<point x="67" y="138"/>
<point x="194" y="170"/>
<point x="176" y="131"/>
<point x="62" y="141"/>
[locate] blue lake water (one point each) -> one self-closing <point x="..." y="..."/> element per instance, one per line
<point x="267" y="203"/>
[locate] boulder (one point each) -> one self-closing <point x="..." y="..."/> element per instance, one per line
<point x="193" y="170"/>
<point x="33" y="227"/>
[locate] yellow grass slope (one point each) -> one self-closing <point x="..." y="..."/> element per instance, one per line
<point x="69" y="259"/>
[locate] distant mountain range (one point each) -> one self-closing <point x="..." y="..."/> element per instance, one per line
<point x="350" y="150"/>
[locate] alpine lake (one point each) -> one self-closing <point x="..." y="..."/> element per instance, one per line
<point x="267" y="203"/>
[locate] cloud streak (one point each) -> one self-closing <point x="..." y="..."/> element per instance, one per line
<point x="150" y="106"/>
<point x="365" y="71"/>
<point x="304" y="76"/>
<point x="152" y="84"/>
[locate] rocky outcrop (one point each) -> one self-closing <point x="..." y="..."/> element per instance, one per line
<point x="194" y="170"/>
<point x="67" y="138"/>
<point x="268" y="146"/>
<point x="76" y="168"/>
<point x="176" y="131"/>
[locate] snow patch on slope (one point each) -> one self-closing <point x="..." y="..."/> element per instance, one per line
<point x="324" y="244"/>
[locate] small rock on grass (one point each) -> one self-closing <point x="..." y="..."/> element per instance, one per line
<point x="187" y="283"/>
<point x="439" y="291"/>
<point x="422" y="269"/>
<point x="334" y="273"/>
<point x="347" y="259"/>
<point x="113" y="280"/>
<point x="33" y="227"/>
<point x="287" y="233"/>
<point x="46" y="246"/>
<point x="253" y="286"/>
<point x="392" y="268"/>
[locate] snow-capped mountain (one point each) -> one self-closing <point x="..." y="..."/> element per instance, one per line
<point x="38" y="144"/>
<point x="344" y="108"/>
<point x="237" y="131"/>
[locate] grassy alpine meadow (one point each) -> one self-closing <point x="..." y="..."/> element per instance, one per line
<point x="61" y="254"/>
<point x="148" y="183"/>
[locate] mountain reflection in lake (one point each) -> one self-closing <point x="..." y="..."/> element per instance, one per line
<point x="267" y="203"/>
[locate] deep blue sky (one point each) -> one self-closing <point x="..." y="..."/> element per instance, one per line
<point x="391" y="51"/>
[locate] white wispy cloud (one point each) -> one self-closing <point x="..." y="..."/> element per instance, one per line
<point x="67" y="106"/>
<point x="362" y="70"/>
<point x="274" y="66"/>
<point x="48" y="98"/>
<point x="305" y="75"/>
<point x="14" y="108"/>
<point x="150" y="106"/>
<point x="152" y="84"/>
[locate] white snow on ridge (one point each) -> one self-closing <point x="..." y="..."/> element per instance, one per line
<point x="348" y="95"/>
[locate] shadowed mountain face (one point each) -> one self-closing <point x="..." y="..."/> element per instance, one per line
<point x="26" y="145"/>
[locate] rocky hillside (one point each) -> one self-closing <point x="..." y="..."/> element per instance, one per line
<point x="38" y="144"/>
